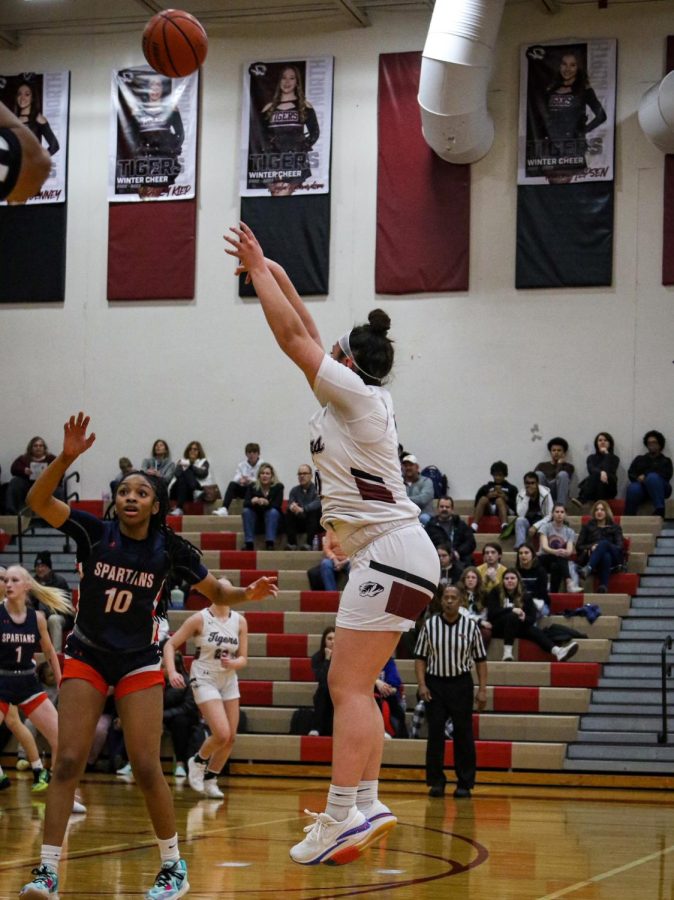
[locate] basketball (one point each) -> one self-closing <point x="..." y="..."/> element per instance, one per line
<point x="175" y="43"/>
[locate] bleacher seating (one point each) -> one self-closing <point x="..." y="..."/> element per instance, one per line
<point x="533" y="704"/>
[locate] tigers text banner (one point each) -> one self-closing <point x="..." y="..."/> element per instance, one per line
<point x="567" y="112"/>
<point x="153" y="136"/>
<point x="286" y="127"/>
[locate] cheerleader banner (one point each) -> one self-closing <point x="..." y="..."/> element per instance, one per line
<point x="153" y="136"/>
<point x="286" y="127"/>
<point x="41" y="101"/>
<point x="567" y="112"/>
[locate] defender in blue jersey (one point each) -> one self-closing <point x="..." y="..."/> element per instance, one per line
<point x="124" y="563"/>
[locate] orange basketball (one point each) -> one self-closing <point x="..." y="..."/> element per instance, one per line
<point x="175" y="43"/>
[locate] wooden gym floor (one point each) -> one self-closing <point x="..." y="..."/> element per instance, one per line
<point x="506" y="842"/>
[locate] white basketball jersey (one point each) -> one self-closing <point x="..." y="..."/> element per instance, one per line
<point x="218" y="638"/>
<point x="354" y="446"/>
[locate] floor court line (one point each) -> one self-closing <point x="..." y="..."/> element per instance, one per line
<point x="572" y="888"/>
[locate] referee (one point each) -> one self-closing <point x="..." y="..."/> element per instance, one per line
<point x="446" y="648"/>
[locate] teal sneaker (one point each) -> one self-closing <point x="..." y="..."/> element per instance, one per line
<point x="41" y="781"/>
<point x="45" y="884"/>
<point x="170" y="883"/>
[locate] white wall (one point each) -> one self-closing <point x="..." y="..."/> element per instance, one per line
<point x="571" y="362"/>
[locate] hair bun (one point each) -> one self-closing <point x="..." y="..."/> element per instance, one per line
<point x="379" y="321"/>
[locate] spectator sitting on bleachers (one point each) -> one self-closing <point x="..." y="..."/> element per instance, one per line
<point x="512" y="614"/>
<point x="496" y="498"/>
<point x="599" y="547"/>
<point x="557" y="546"/>
<point x="473" y="600"/>
<point x="534" y="503"/>
<point x="448" y="528"/>
<point x="602" y="467"/>
<point x="246" y="473"/>
<point x="192" y="476"/>
<point x="57" y="622"/>
<point x="534" y="578"/>
<point x="334" y="561"/>
<point x="491" y="569"/>
<point x="25" y="470"/>
<point x="181" y="717"/>
<point x="320" y="664"/>
<point x="303" y="514"/>
<point x="125" y="466"/>
<point x="556" y="473"/>
<point x="389" y="693"/>
<point x="159" y="462"/>
<point x="450" y="568"/>
<point x="650" y="475"/>
<point x="419" y="488"/>
<point x="262" y="507"/>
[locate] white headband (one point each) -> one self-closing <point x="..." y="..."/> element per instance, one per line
<point x="345" y="347"/>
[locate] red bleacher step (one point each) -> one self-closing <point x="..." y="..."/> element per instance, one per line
<point x="218" y="540"/>
<point x="319" y="601"/>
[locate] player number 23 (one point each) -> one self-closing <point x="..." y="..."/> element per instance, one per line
<point x="118" y="601"/>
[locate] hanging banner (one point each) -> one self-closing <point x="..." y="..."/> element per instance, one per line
<point x="153" y="136"/>
<point x="567" y="112"/>
<point x="41" y="101"/>
<point x="286" y="127"/>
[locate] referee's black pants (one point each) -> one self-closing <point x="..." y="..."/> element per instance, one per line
<point x="450" y="698"/>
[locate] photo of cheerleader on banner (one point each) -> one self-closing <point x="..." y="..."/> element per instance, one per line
<point x="286" y="127"/>
<point x="41" y="100"/>
<point x="153" y="136"/>
<point x="567" y="112"/>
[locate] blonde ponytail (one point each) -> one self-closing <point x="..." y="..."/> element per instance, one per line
<point x="52" y="597"/>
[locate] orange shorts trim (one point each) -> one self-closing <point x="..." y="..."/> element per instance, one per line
<point x="138" y="681"/>
<point x="32" y="704"/>
<point x="74" y="668"/>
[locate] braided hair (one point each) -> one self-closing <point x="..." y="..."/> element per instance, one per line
<point x="158" y="525"/>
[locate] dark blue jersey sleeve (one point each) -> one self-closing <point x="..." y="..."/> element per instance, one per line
<point x="86" y="530"/>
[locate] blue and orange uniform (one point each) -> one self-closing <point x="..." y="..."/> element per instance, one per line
<point x="18" y="644"/>
<point x="115" y="638"/>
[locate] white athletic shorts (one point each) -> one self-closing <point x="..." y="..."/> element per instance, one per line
<point x="392" y="580"/>
<point x="213" y="684"/>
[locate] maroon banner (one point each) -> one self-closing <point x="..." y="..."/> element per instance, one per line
<point x="423" y="203"/>
<point x="152" y="250"/>
<point x="668" y="218"/>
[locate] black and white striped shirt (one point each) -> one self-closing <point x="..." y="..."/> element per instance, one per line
<point x="450" y="650"/>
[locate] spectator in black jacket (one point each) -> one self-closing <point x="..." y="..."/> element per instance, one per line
<point x="650" y="476"/>
<point x="599" y="547"/>
<point x="512" y="614"/>
<point x="304" y="509"/>
<point x="602" y="467"/>
<point x="534" y="578"/>
<point x="181" y="718"/>
<point x="262" y="507"/>
<point x="496" y="498"/>
<point x="448" y="528"/>
<point x="450" y="568"/>
<point x="556" y="473"/>
<point x="57" y="622"/>
<point x="320" y="664"/>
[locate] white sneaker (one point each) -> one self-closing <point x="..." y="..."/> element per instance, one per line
<point x="381" y="821"/>
<point x="78" y="806"/>
<point x="176" y="512"/>
<point x="125" y="770"/>
<point x="507" y="654"/>
<point x="212" y="790"/>
<point x="179" y="772"/>
<point x="195" y="774"/>
<point x="221" y="511"/>
<point x="567" y="652"/>
<point x="313" y="733"/>
<point x="330" y="841"/>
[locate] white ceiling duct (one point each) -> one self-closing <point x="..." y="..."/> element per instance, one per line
<point x="454" y="75"/>
<point x="656" y="114"/>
